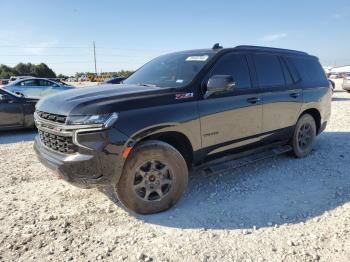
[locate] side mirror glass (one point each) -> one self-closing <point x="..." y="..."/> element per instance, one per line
<point x="219" y="84"/>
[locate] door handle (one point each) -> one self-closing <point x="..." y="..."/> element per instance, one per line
<point x="294" y="95"/>
<point x="253" y="100"/>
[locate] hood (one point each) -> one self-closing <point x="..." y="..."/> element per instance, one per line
<point x="101" y="99"/>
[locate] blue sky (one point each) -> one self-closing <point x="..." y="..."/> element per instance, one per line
<point x="129" y="33"/>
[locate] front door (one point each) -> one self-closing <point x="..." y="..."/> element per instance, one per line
<point x="231" y="120"/>
<point x="47" y="87"/>
<point x="11" y="112"/>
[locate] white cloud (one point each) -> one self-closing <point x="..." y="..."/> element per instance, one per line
<point x="38" y="48"/>
<point x="273" y="37"/>
<point x="15" y="41"/>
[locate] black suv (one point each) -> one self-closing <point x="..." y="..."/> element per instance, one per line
<point x="179" y="111"/>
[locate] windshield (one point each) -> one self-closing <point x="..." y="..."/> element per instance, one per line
<point x="173" y="70"/>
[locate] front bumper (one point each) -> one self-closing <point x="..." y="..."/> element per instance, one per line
<point x="98" y="165"/>
<point x="346" y="86"/>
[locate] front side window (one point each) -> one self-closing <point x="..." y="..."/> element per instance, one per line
<point x="236" y="66"/>
<point x="269" y="70"/>
<point x="44" y="83"/>
<point x="173" y="70"/>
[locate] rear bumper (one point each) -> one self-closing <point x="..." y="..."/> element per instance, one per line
<point x="100" y="165"/>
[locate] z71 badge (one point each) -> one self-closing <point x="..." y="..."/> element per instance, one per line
<point x="183" y="95"/>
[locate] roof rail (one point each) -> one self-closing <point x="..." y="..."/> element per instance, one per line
<point x="273" y="49"/>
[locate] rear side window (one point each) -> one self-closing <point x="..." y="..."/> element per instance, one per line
<point x="269" y="71"/>
<point x="236" y="66"/>
<point x="310" y="71"/>
<point x="31" y="82"/>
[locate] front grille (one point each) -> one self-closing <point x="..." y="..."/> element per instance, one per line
<point x="63" y="144"/>
<point x="52" y="117"/>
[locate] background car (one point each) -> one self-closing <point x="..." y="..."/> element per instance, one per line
<point x="115" y="80"/>
<point x="346" y="84"/>
<point x="15" y="111"/>
<point x="4" y="82"/>
<point x="36" y="87"/>
<point x="332" y="84"/>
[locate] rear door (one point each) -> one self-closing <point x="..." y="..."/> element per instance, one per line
<point x="234" y="119"/>
<point x="11" y="111"/>
<point x="282" y="97"/>
<point x="29" y="88"/>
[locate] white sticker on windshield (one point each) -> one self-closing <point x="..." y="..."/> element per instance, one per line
<point x="197" y="58"/>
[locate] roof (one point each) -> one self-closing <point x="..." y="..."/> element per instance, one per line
<point x="246" y="48"/>
<point x="269" y="49"/>
<point x="30" y="78"/>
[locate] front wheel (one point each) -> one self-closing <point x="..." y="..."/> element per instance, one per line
<point x="154" y="178"/>
<point x="304" y="136"/>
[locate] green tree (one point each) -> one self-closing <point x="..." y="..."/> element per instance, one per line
<point x="41" y="70"/>
<point x="124" y="73"/>
<point x="6" y="72"/>
<point x="62" y="76"/>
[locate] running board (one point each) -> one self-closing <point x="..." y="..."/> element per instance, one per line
<point x="235" y="161"/>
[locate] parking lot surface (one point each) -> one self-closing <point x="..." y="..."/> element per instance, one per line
<point x="280" y="209"/>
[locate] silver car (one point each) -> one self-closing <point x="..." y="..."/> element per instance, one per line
<point x="346" y="84"/>
<point x="35" y="87"/>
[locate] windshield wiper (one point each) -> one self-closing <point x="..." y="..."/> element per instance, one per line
<point x="144" y="84"/>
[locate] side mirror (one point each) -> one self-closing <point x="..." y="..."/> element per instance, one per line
<point x="218" y="84"/>
<point x="19" y="94"/>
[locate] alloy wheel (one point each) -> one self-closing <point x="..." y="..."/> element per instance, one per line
<point x="304" y="136"/>
<point x="152" y="180"/>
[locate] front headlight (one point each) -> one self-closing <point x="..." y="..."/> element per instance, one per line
<point x="104" y="120"/>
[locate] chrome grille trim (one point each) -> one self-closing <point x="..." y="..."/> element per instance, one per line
<point x="63" y="131"/>
<point x="52" y="117"/>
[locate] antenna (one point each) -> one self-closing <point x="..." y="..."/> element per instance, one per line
<point x="217" y="46"/>
<point x="95" y="57"/>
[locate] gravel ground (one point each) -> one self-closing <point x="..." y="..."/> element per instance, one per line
<point x="281" y="209"/>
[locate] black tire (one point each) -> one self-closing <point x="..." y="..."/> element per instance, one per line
<point x="304" y="136"/>
<point x="348" y="91"/>
<point x="149" y="166"/>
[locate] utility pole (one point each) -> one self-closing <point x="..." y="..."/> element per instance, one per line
<point x="95" y="57"/>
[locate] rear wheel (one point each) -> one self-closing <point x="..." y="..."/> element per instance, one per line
<point x="154" y="178"/>
<point x="304" y="136"/>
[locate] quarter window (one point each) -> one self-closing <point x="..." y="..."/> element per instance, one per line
<point x="310" y="71"/>
<point x="236" y="66"/>
<point x="269" y="70"/>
